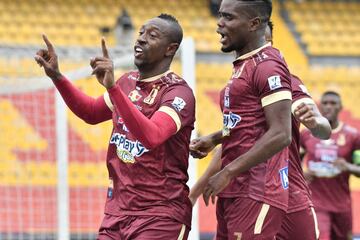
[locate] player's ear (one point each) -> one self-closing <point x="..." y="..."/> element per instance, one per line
<point x="171" y="49"/>
<point x="254" y="24"/>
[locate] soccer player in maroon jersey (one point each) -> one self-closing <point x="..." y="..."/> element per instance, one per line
<point x="330" y="164"/>
<point x="153" y="114"/>
<point x="299" y="222"/>
<point x="252" y="186"/>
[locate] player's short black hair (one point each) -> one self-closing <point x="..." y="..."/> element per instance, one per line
<point x="331" y="93"/>
<point x="260" y="8"/>
<point x="176" y="30"/>
<point x="271" y="27"/>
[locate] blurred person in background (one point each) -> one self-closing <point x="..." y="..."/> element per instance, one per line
<point x="124" y="29"/>
<point x="329" y="166"/>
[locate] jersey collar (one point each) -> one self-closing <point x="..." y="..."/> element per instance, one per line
<point x="253" y="52"/>
<point x="150" y="79"/>
<point x="338" y="128"/>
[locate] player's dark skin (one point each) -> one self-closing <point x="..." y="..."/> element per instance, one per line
<point x="243" y="33"/>
<point x="330" y="107"/>
<point x="154" y="51"/>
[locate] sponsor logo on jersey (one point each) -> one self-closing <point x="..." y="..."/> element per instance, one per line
<point x="127" y="149"/>
<point x="274" y="82"/>
<point x="231" y="120"/>
<point x="134" y="95"/>
<point x="178" y="104"/>
<point x="284" y="177"/>
<point x="323" y="169"/>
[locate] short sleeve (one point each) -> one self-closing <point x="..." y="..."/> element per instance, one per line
<point x="300" y="93"/>
<point x="179" y="103"/>
<point x="272" y="82"/>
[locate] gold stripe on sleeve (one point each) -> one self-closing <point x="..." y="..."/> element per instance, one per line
<point x="172" y="113"/>
<point x="300" y="101"/>
<point x="108" y="101"/>
<point x="261" y="218"/>
<point x="275" y="97"/>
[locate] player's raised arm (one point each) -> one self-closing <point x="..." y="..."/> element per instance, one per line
<point x="89" y="109"/>
<point x="150" y="132"/>
<point x="48" y="59"/>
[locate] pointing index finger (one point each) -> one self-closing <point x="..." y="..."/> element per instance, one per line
<point x="48" y="44"/>
<point x="104" y="49"/>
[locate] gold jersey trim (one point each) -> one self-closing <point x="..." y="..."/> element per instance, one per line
<point x="108" y="101"/>
<point x="300" y="101"/>
<point x="338" y="128"/>
<point x="253" y="52"/>
<point x="275" y="97"/>
<point x="150" y="79"/>
<point x="182" y="232"/>
<point x="172" y="113"/>
<point x="261" y="218"/>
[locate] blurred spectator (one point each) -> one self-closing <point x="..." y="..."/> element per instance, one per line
<point x="214" y="6"/>
<point x="124" y="29"/>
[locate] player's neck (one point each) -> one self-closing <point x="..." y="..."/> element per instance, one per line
<point x="148" y="73"/>
<point x="334" y="124"/>
<point x="251" y="46"/>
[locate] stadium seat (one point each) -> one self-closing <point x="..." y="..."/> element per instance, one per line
<point x="319" y="22"/>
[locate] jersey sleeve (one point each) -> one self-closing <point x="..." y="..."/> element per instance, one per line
<point x="179" y="103"/>
<point x="272" y="82"/>
<point x="300" y="93"/>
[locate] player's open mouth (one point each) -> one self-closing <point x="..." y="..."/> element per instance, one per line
<point x="138" y="51"/>
<point x="223" y="38"/>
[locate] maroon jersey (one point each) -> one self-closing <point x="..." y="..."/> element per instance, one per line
<point x="151" y="181"/>
<point x="299" y="194"/>
<point x="259" y="79"/>
<point x="330" y="189"/>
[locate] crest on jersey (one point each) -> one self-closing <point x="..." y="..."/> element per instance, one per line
<point x="341" y="141"/>
<point x="274" y="82"/>
<point x="134" y="95"/>
<point x="151" y="97"/>
<point x="284" y="177"/>
<point x="178" y="104"/>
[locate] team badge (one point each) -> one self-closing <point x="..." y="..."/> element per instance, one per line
<point x="151" y="97"/>
<point x="134" y="95"/>
<point x="341" y="141"/>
